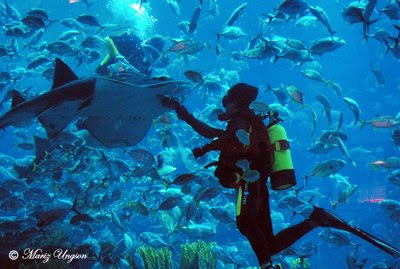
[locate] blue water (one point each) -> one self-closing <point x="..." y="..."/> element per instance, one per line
<point x="350" y="66"/>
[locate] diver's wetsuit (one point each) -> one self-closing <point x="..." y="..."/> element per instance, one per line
<point x="129" y="46"/>
<point x="253" y="216"/>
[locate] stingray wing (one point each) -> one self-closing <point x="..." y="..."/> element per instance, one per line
<point x="115" y="132"/>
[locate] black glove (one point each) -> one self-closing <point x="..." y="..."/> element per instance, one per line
<point x="198" y="152"/>
<point x="170" y="102"/>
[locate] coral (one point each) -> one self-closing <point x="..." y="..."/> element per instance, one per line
<point x="197" y="256"/>
<point x="154" y="259"/>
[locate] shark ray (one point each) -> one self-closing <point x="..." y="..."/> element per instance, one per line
<point x="117" y="111"/>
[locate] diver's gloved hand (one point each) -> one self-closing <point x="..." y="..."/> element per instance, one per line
<point x="198" y="152"/>
<point x="170" y="102"/>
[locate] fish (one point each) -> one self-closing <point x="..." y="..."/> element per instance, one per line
<point x="72" y="23"/>
<point x="354" y="12"/>
<point x="15" y="185"/>
<point x="392" y="208"/>
<point x="195" y="18"/>
<point x="199" y="231"/>
<point x="89" y="20"/>
<point x="174" y="5"/>
<point x="388" y="163"/>
<point x="336" y="87"/>
<point x="354" y="107"/>
<point x="294" y="8"/>
<point x="327" y="44"/>
<point x="232" y="32"/>
<point x="236" y="14"/>
<point x="295" y="94"/>
<point x="243" y="136"/>
<point x="222" y="214"/>
<point x="392" y="10"/>
<point x="259" y="107"/>
<point x="344" y="195"/>
<point x="224" y="255"/>
<point x="34" y="22"/>
<point x="313" y="120"/>
<point x="395" y="134"/>
<point x="321" y="15"/>
<point x="313" y="75"/>
<point x="11" y="12"/>
<point x="326" y="168"/>
<point x="394" y="177"/>
<point x="194" y="76"/>
<point x="71" y="98"/>
<point x="336" y="237"/>
<point x="378" y="76"/>
<point x="280" y="94"/>
<point x="48" y="216"/>
<point x="344" y="150"/>
<point x="185" y="47"/>
<point x="340" y="121"/>
<point x="382" y="122"/>
<point x="327" y="106"/>
<point x="154" y="240"/>
<point x="170" y="203"/>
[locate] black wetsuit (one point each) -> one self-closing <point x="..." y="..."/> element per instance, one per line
<point x="254" y="218"/>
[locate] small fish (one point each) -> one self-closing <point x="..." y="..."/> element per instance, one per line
<point x="327" y="106"/>
<point x="336" y="87"/>
<point x="170" y="203"/>
<point x="378" y="76"/>
<point x="344" y="150"/>
<point x="195" y="18"/>
<point x="382" y="122"/>
<point x="259" y="107"/>
<point x="326" y="168"/>
<point x="313" y="75"/>
<point x="327" y="44"/>
<point x="89" y="20"/>
<point x="295" y="94"/>
<point x="187" y="47"/>
<point x="340" y="121"/>
<point x="194" y="76"/>
<point x="321" y="15"/>
<point x="232" y="32"/>
<point x="279" y="93"/>
<point x="344" y="195"/>
<point x="388" y="163"/>
<point x="243" y="137"/>
<point x="236" y="14"/>
<point x="314" y="121"/>
<point x="353" y="105"/>
<point x="33" y="22"/>
<point x="395" y="134"/>
<point x="183" y="179"/>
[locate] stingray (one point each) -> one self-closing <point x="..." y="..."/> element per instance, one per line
<point x="117" y="111"/>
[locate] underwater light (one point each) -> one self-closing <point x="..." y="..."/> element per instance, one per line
<point x="73" y="1"/>
<point x="134" y="14"/>
<point x="138" y="8"/>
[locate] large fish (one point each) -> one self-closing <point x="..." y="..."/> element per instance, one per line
<point x="117" y="111"/>
<point x="326" y="168"/>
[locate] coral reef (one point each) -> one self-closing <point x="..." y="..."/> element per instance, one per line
<point x="154" y="259"/>
<point x="197" y="255"/>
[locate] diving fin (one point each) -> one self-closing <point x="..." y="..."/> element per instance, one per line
<point x="373" y="240"/>
<point x="324" y="218"/>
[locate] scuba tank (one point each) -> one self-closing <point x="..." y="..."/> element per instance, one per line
<point x="282" y="173"/>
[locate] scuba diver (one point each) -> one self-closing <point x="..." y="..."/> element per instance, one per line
<point x="250" y="153"/>
<point x="127" y="52"/>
